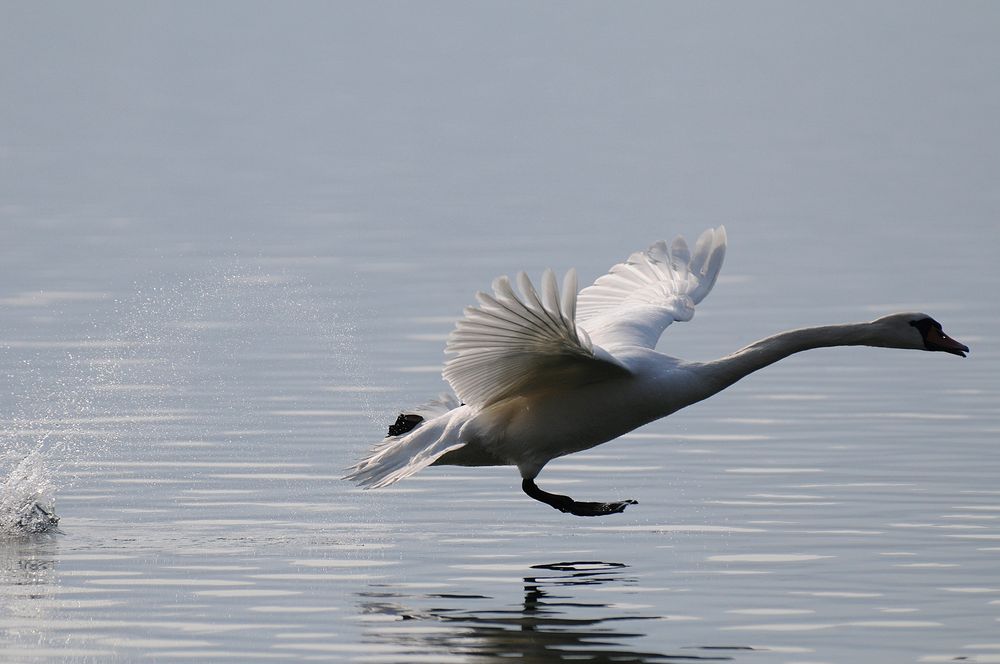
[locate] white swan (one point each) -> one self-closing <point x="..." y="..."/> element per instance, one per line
<point x="541" y="376"/>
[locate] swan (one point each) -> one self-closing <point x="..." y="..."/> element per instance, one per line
<point x="537" y="376"/>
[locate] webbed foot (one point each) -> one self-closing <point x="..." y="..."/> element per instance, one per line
<point x="570" y="506"/>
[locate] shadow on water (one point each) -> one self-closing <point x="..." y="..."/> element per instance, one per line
<point x="550" y="625"/>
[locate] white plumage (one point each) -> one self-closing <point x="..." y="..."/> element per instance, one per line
<point x="509" y="342"/>
<point x="635" y="302"/>
<point x="544" y="375"/>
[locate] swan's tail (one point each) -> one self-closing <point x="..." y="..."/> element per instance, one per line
<point x="416" y="440"/>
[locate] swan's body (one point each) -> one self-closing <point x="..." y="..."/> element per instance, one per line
<point x="540" y="377"/>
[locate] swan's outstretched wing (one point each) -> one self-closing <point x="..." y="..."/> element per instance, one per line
<point x="519" y="343"/>
<point x="635" y="302"/>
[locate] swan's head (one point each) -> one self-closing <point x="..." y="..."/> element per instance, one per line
<point x="916" y="330"/>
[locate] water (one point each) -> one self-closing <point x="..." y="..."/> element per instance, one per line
<point x="233" y="240"/>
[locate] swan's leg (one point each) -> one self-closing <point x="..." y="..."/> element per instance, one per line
<point x="567" y="504"/>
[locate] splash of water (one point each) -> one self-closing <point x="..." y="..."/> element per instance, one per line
<point x="27" y="503"/>
<point x="150" y="365"/>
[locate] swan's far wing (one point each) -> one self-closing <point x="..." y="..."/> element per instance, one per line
<point x="519" y="343"/>
<point x="636" y="300"/>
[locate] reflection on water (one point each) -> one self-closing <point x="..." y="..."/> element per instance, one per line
<point x="550" y="625"/>
<point x="27" y="586"/>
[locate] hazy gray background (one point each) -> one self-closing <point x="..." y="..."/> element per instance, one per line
<point x="802" y="125"/>
<point x="233" y="237"/>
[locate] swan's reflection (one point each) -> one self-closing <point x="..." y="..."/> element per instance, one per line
<point x="549" y="626"/>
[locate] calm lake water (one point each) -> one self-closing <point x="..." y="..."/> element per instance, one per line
<point x="233" y="241"/>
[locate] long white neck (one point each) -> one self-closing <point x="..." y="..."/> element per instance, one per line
<point x="720" y="374"/>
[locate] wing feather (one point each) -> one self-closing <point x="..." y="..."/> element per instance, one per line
<point x="635" y="302"/>
<point x="518" y="343"/>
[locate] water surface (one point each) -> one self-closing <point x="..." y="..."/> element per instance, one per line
<point x="233" y="241"/>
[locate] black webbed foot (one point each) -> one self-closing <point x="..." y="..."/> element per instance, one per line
<point x="405" y="423"/>
<point x="570" y="506"/>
